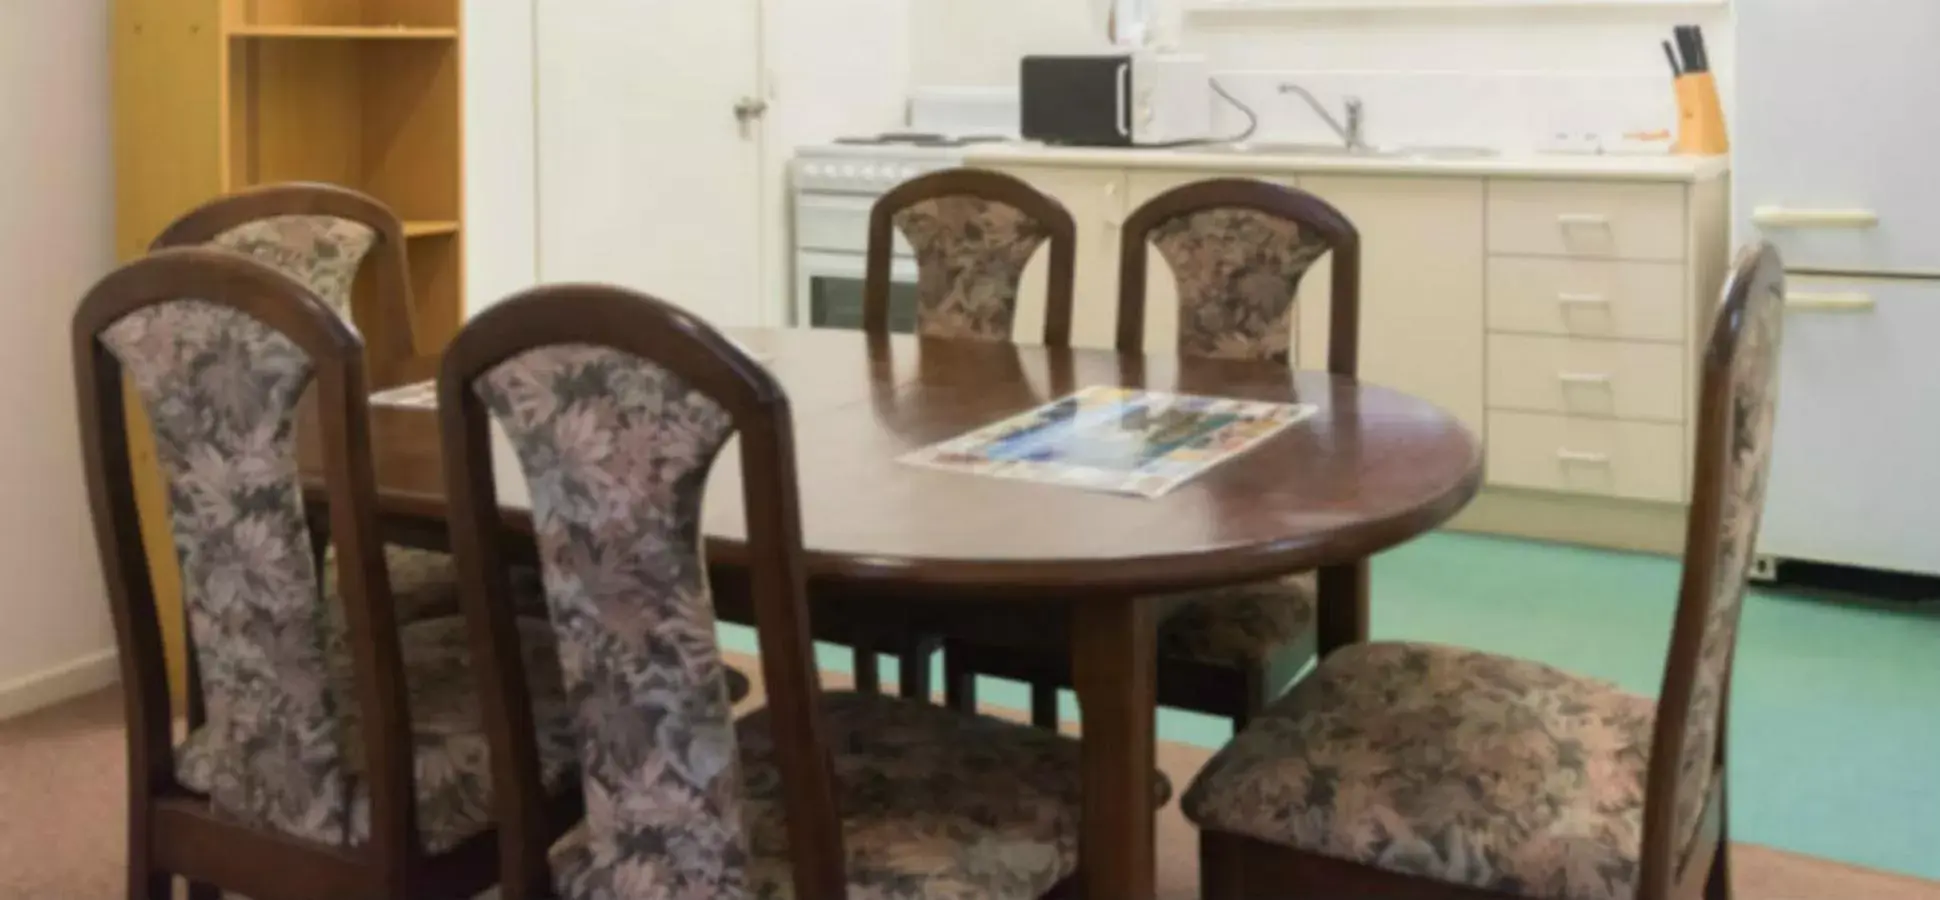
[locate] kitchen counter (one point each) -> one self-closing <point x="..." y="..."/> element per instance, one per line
<point x="1668" y="168"/>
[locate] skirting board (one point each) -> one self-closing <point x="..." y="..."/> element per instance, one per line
<point x="52" y="685"/>
<point x="1571" y="519"/>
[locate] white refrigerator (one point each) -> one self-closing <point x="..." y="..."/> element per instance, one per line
<point x="1836" y="160"/>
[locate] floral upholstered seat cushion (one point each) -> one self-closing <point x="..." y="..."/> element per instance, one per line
<point x="935" y="805"/>
<point x="1243" y="625"/>
<point x="452" y="773"/>
<point x="424" y="584"/>
<point x="1448" y="764"/>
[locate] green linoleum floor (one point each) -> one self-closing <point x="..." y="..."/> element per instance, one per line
<point x="1835" y="742"/>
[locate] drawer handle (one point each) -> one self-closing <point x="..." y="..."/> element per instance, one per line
<point x="1583" y="220"/>
<point x="1583" y="378"/>
<point x="1832" y="302"/>
<point x="1582" y="300"/>
<point x="1582" y="457"/>
<point x="1782" y="217"/>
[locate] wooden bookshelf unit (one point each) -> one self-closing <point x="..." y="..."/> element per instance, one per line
<point x="217" y="95"/>
<point x="213" y="96"/>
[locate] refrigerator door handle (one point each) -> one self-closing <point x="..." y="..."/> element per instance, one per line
<point x="1787" y="217"/>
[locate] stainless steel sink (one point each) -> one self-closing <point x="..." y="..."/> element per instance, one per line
<point x="1431" y="152"/>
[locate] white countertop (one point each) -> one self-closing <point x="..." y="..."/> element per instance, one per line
<point x="1507" y="165"/>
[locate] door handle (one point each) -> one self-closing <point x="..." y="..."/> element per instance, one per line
<point x="747" y="109"/>
<point x="1829" y="302"/>
<point x="1582" y="300"/>
<point x="1595" y="378"/>
<point x="1785" y="217"/>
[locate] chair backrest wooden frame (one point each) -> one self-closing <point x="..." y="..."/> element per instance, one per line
<point x="172" y="829"/>
<point x="388" y="309"/>
<point x="681" y="345"/>
<point x="995" y="187"/>
<point x="1306" y="211"/>
<point x="1735" y="409"/>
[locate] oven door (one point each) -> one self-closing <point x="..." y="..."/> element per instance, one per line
<point x="828" y="291"/>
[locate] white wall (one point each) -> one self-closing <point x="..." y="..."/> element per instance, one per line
<point x="501" y="218"/>
<point x="56" y="239"/>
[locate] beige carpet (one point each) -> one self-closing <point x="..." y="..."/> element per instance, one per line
<point x="62" y="815"/>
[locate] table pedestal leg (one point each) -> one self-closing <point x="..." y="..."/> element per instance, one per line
<point x="1343" y="614"/>
<point x="1114" y="668"/>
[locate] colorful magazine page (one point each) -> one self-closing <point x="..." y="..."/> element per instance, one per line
<point x="1119" y="440"/>
<point x="422" y="395"/>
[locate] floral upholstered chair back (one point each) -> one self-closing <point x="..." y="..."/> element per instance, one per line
<point x="1238" y="250"/>
<point x="615" y="449"/>
<point x="220" y="386"/>
<point x="1737" y="405"/>
<point x="322" y="236"/>
<point x="973" y="233"/>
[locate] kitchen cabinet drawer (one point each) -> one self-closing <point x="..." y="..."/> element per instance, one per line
<point x="1631" y="460"/>
<point x="1587" y="298"/>
<point x="1606" y="379"/>
<point x="1601" y="220"/>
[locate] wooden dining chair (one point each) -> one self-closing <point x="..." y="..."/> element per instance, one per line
<point x="324" y="236"/>
<point x="616" y="406"/>
<point x="973" y="232"/>
<point x="1424" y="771"/>
<point x="328" y="237"/>
<point x="1239" y="249"/>
<point x="319" y="772"/>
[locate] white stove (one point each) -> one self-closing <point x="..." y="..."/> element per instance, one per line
<point x="835" y="186"/>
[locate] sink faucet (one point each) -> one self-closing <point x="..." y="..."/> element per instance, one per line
<point x="1350" y="132"/>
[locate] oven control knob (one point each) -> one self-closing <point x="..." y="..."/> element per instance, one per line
<point x="871" y="173"/>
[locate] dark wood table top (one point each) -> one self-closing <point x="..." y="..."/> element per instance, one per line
<point x="1372" y="469"/>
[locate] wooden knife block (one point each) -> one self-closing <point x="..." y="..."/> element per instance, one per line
<point x="1700" y="117"/>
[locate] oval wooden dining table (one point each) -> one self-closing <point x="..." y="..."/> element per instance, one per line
<point x="1371" y="469"/>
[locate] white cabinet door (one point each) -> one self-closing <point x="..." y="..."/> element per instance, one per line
<point x="1095" y="197"/>
<point x="647" y="178"/>
<point x="1161" y="287"/>
<point x="1421" y="287"/>
<point x="1853" y="475"/>
<point x="1834" y="125"/>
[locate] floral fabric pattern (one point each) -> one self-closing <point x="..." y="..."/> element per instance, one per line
<point x="936" y="806"/>
<point x="970" y="259"/>
<point x="1242" y="625"/>
<point x="1238" y="272"/>
<point x="1445" y="763"/>
<point x="220" y="389"/>
<point x="453" y="778"/>
<point x="321" y="252"/>
<point x="1754" y="395"/>
<point x="616" y="450"/>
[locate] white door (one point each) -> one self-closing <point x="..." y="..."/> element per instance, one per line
<point x="648" y="178"/>
<point x="1834" y="135"/>
<point x="1853" y="478"/>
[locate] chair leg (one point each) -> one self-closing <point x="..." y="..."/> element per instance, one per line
<point x="913" y="671"/>
<point x="1222" y="875"/>
<point x="1044" y="704"/>
<point x="1717" y="885"/>
<point x="959" y="682"/>
<point x="868" y="676"/>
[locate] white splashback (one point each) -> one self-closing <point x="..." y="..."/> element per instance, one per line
<point x="1511" y="76"/>
<point x="1512" y="110"/>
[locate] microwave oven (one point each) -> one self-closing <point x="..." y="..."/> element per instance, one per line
<point x="1116" y="100"/>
